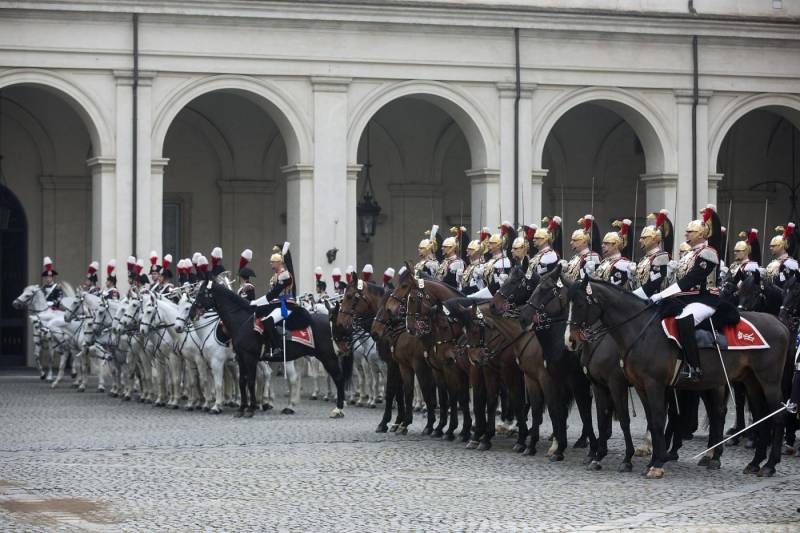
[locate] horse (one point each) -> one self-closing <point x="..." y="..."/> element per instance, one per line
<point x="238" y="317"/>
<point x="650" y="361"/>
<point x="429" y="320"/>
<point x="99" y="340"/>
<point x="139" y="360"/>
<point x="40" y="313"/>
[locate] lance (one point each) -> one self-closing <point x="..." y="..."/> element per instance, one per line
<point x="635" y="211"/>
<point x="728" y="233"/>
<point x="764" y="230"/>
<point x="781" y="408"/>
<point x="592" y="207"/>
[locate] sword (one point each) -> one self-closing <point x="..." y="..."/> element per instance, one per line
<point x="781" y="408"/>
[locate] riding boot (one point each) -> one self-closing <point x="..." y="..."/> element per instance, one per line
<point x="271" y="332"/>
<point x="794" y="398"/>
<point x="691" y="368"/>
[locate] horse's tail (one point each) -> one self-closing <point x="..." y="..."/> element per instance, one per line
<point x="346" y="367"/>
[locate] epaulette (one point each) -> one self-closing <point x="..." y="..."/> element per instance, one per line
<point x="709" y="254"/>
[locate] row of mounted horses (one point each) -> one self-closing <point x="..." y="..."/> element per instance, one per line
<point x="546" y="343"/>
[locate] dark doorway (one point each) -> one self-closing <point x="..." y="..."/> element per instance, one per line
<point x="13" y="276"/>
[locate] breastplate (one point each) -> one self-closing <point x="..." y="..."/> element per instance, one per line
<point x="573" y="270"/>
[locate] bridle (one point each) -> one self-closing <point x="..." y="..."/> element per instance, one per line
<point x="421" y="321"/>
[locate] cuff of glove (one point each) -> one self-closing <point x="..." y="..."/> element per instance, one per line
<point x="640" y="293"/>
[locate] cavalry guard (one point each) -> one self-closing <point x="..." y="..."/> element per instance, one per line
<point x="90" y="285"/>
<point x="746" y="256"/>
<point x="217" y="267"/>
<point x="154" y="269"/>
<point x="52" y="290"/>
<point x="426" y="250"/>
<point x="616" y="267"/>
<point x="165" y="286"/>
<point x="472" y="280"/>
<point x="519" y="249"/>
<point x="321" y="286"/>
<point x="497" y="268"/>
<point x="339" y="286"/>
<point x="111" y="292"/>
<point x="453" y="264"/>
<point x="696" y="285"/>
<point x="548" y="242"/>
<point x="183" y="271"/>
<point x="349" y="274"/>
<point x="366" y="272"/>
<point x="585" y="242"/>
<point x="652" y="272"/>
<point x="783" y="248"/>
<point x="246" y="289"/>
<point x="528" y="232"/>
<point x="280" y="284"/>
<point x="388" y="276"/>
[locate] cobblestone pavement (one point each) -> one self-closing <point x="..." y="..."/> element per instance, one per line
<point x="71" y="461"/>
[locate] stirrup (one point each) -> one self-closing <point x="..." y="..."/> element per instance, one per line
<point x="690" y="373"/>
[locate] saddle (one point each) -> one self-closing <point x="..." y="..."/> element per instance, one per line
<point x="740" y="336"/>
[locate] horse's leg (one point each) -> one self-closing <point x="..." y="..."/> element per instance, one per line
<point x="242" y="386"/>
<point x="618" y="387"/>
<point x="408" y="394"/>
<point x="604" y="407"/>
<point x="393" y="387"/>
<point x="444" y="403"/>
<point x="717" y="406"/>
<point x="581" y="390"/>
<point x="493" y="387"/>
<point x="62" y="365"/>
<point x="557" y="398"/>
<point x="335" y="367"/>
<point x="773" y="398"/>
<point x="657" y="417"/>
<point x="479" y="401"/>
<point x="739" y="397"/>
<point x="175" y="363"/>
<point x="536" y="399"/>
<point x="251" y="366"/>
<point x="294" y="388"/>
<point x="466" y="415"/>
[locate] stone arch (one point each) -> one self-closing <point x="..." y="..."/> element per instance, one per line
<point x="468" y="114"/>
<point x="442" y="147"/>
<point x="214" y="137"/>
<point x="31" y="125"/>
<point x="785" y="105"/>
<point x="77" y="98"/>
<point x="280" y="107"/>
<point x="645" y="119"/>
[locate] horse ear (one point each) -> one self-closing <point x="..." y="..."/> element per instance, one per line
<point x="567" y="283"/>
<point x="557" y="269"/>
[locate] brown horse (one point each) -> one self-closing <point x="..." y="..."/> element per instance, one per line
<point x="358" y="308"/>
<point x="409" y="353"/>
<point x="650" y="362"/>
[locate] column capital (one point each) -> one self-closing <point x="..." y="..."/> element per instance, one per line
<point x="715" y="178"/>
<point x="483" y="175"/>
<point x="157" y="165"/>
<point x="659" y="178"/>
<point x="353" y="169"/>
<point x="509" y="89"/>
<point x="298" y="172"/>
<point x="538" y="175"/>
<point x="329" y="84"/>
<point x="101" y="164"/>
<point x="686" y="96"/>
<point x="125" y="77"/>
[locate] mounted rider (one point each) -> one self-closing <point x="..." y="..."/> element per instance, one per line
<point x="281" y="286"/>
<point x="585" y="243"/>
<point x="52" y="290"/>
<point x="547" y="240"/>
<point x="388" y="276"/>
<point x="453" y="263"/>
<point x="783" y="248"/>
<point x="652" y="271"/>
<point x="616" y="267"/>
<point x="217" y="267"/>
<point x="111" y="292"/>
<point x="155" y="279"/>
<point x="746" y="257"/>
<point x="471" y="280"/>
<point x="498" y="267"/>
<point x="427" y="252"/>
<point x="696" y="285"/>
<point x="246" y="289"/>
<point x="90" y="285"/>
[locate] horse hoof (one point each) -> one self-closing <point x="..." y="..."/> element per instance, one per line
<point x="471" y="445"/>
<point x="42" y="376"/>
<point x="238" y="414"/>
<point x="625" y="467"/>
<point x="714" y="464"/>
<point x="594" y="466"/>
<point x="372" y="406"/>
<point x="403" y="430"/>
<point x="101" y="389"/>
<point x="749" y="444"/>
<point x="530" y="451"/>
<point x="114" y="395"/>
<point x="174" y="406"/>
<point x="704" y="461"/>
<point x="518" y="448"/>
<point x="394" y="428"/>
<point x="382" y="428"/>
<point x="287" y="411"/>
<point x="733" y="442"/>
<point x="266" y="406"/>
<point x="751" y="469"/>
<point x="206" y="408"/>
<point x="787" y="450"/>
<point x="655" y="473"/>
<point x="437" y="434"/>
<point x="581" y="443"/>
<point x="81" y="389"/>
<point x="464" y="437"/>
<point x="427" y="430"/>
<point x="189" y="408"/>
<point x="556" y="457"/>
<point x="766" y="471"/>
<point x="126" y="398"/>
<point x="352" y="402"/>
<point x="379" y="400"/>
<point x="672" y="456"/>
<point x="484" y="446"/>
<point x="643" y="452"/>
<point x="249" y="413"/>
<point x="314" y="397"/>
<point x="449" y="437"/>
<point x="336" y="413"/>
<point x="589" y="459"/>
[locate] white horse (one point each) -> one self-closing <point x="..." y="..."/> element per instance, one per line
<point x="158" y="323"/>
<point x="370" y="367"/>
<point x="65" y="335"/>
<point x="138" y="361"/>
<point x="102" y="345"/>
<point x="39" y="313"/>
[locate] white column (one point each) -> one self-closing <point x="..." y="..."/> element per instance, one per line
<point x="104" y="217"/>
<point x="300" y="217"/>
<point x="485" y="198"/>
<point x="508" y="94"/>
<point x="536" y="187"/>
<point x="713" y="187"/>
<point x="661" y="192"/>
<point x="149" y="188"/>
<point x="684" y="99"/>
<point x="329" y="203"/>
<point x="123" y="200"/>
<point x="351" y="214"/>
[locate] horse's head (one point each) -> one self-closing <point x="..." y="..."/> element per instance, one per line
<point x="72" y="312"/>
<point x="149" y="317"/>
<point x="396" y="305"/>
<point x="513" y="292"/>
<point x="549" y="299"/>
<point x="26" y="298"/>
<point x="421" y="307"/>
<point x="184" y="314"/>
<point x="204" y="299"/>
<point x="790" y="307"/>
<point x="749" y="292"/>
<point x="585" y="309"/>
<point x="131" y="314"/>
<point x="475" y="333"/>
<point x="355" y="305"/>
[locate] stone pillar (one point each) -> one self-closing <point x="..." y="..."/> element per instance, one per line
<point x="149" y="187"/>
<point x="485" y="198"/>
<point x="123" y="199"/>
<point x="661" y="192"/>
<point x="104" y="217"/>
<point x="508" y="196"/>
<point x="351" y="214"/>
<point x="713" y="187"/>
<point x="684" y="99"/>
<point x="157" y="202"/>
<point x="328" y="205"/>
<point x="300" y="217"/>
<point x="535" y="208"/>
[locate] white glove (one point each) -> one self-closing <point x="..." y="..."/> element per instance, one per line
<point x="503" y="277"/>
<point x="640" y="293"/>
<point x="656" y="297"/>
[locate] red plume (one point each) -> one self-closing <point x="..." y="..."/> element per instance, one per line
<point x="530" y="231"/>
<point x="752" y="235"/>
<point x="554" y="223"/>
<point x="484" y="234"/>
<point x="110" y="267"/>
<point x="707" y="212"/>
<point x="245" y="258"/>
<point x="661" y="217"/>
<point x="153" y="258"/>
<point x="788" y="230"/>
<point x="588" y="220"/>
<point x="626" y="224"/>
<point x="318" y="273"/>
<point x="166" y="261"/>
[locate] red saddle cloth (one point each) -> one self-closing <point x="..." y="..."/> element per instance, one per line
<point x="742" y="336"/>
<point x="304" y="336"/>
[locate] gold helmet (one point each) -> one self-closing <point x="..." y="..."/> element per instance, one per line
<point x="584" y="233"/>
<point x="279" y="253"/>
<point x="496" y="239"/>
<point x="519" y="248"/>
<point x="618" y="238"/>
<point x="548" y="229"/>
<point x="784" y="237"/>
<point x="453" y="244"/>
<point x="475" y="247"/>
<point x="425" y="246"/>
<point x="745" y="244"/>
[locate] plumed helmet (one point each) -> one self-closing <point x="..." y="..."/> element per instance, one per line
<point x="495" y="239"/>
<point x="154" y="266"/>
<point x="749" y="244"/>
<point x="131" y="264"/>
<point x="786" y="238"/>
<point x="318" y="273"/>
<point x="91" y="272"/>
<point x="336" y="276"/>
<point x="279" y="253"/>
<point x="366" y="272"/>
<point x="245" y="258"/>
<point x="584" y="231"/>
<point x="111" y="271"/>
<point x="474" y="247"/>
<point x="349" y="273"/>
<point x="388" y="274"/>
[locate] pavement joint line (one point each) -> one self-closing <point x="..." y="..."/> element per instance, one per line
<point x="639" y="519"/>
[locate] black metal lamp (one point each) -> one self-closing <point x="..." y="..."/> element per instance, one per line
<point x="368" y="209"/>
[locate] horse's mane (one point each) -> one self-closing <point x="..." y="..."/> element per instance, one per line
<point x="67" y="288"/>
<point x="232" y="297"/>
<point x="460" y="308"/>
<point x="443" y="285"/>
<point x="580" y="286"/>
<point x="374" y="287"/>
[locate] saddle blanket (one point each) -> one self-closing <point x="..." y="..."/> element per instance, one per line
<point x="303" y="336"/>
<point x="742" y="336"/>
